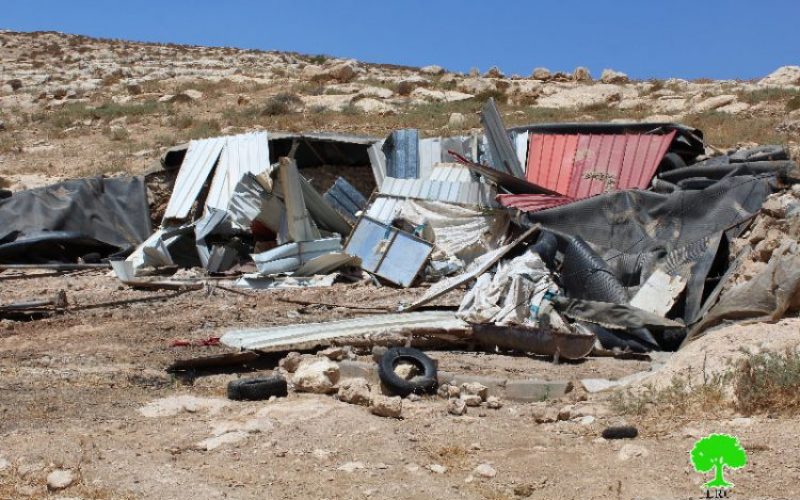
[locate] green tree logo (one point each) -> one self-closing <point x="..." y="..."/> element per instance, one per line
<point x="718" y="451"/>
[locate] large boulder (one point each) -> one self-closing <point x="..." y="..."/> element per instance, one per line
<point x="583" y="96"/>
<point x="317" y="375"/>
<point x="542" y="74"/>
<point x="783" y="76"/>
<point x="355" y="391"/>
<point x="611" y="76"/>
<point x="713" y="103"/>
<point x="581" y="74"/>
<point x="477" y="85"/>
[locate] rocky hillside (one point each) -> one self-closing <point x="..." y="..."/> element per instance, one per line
<point x="72" y="105"/>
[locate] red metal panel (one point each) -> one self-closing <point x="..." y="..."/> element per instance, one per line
<point x="582" y="165"/>
<point x="532" y="202"/>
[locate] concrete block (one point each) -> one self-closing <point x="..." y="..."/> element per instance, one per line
<point x="536" y="390"/>
<point x="359" y="369"/>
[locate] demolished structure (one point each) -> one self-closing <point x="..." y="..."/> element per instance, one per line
<point x="570" y="238"/>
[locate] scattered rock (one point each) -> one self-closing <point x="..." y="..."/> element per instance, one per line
<point x="383" y="406"/>
<point x="15" y="84"/>
<point x="291" y="361"/>
<point x="783" y="76"/>
<point x="475" y="389"/>
<point x="544" y="414"/>
<point x="456" y="121"/>
<point x="542" y="74"/>
<point x="456" y="407"/>
<point x="374" y="106"/>
<point x="408" y="85"/>
<point x="436" y="468"/>
<point x="485" y="470"/>
<point x="632" y="451"/>
<point x="611" y="76"/>
<point x="377" y="92"/>
<point x="333" y="353"/>
<point x="351" y="466"/>
<point x="193" y="95"/>
<point x="493" y="403"/>
<point x="60" y="479"/>
<point x="173" y="405"/>
<point x="432" y="70"/>
<point x="585" y="420"/>
<point x="4" y="464"/>
<point x="215" y="442"/>
<point x="471" y="400"/>
<point x="317" y="375"/>
<point x="134" y="88"/>
<point x="406" y="371"/>
<point x="343" y="72"/>
<point x="477" y="85"/>
<point x="494" y="72"/>
<point x="581" y="74"/>
<point x="354" y="391"/>
<point x="583" y="96"/>
<point x="713" y="103"/>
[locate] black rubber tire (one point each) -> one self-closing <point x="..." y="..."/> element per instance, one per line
<point x="257" y="389"/>
<point x="771" y="152"/>
<point x="620" y="432"/>
<point x="422" y="384"/>
<point x="696" y="183"/>
<point x="671" y="161"/>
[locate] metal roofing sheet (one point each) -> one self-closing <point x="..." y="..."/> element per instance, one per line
<point x="402" y="154"/>
<point x="197" y="165"/>
<point x="583" y="165"/>
<point x="452" y="172"/>
<point x="242" y="154"/>
<point x="385" y="208"/>
<point x="464" y="193"/>
<point x="345" y="199"/>
<point x="501" y="150"/>
<point x="430" y="154"/>
<point x="309" y="335"/>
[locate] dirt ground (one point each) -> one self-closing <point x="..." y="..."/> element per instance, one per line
<point x="87" y="391"/>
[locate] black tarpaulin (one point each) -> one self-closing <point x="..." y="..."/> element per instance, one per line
<point x="64" y="221"/>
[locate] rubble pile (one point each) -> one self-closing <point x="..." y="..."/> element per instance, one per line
<point x="571" y="239"/>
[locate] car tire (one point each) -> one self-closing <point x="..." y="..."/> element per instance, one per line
<point x="620" y="432"/>
<point x="257" y="389"/>
<point x="425" y="383"/>
<point x="671" y="161"/>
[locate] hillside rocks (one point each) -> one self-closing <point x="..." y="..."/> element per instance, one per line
<point x="611" y="76"/>
<point x="783" y="76"/>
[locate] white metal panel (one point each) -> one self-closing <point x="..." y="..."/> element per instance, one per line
<point x="200" y="159"/>
<point x="242" y="154"/>
<point x="430" y="153"/>
<point x="521" y="146"/>
<point x="385" y="209"/>
<point x="464" y="193"/>
<point x="304" y="336"/>
<point x="451" y="173"/>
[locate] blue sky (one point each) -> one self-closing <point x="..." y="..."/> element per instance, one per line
<point x="645" y="38"/>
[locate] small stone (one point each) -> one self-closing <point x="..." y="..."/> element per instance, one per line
<point x="475" y="446"/>
<point x="453" y="391"/>
<point x="742" y="421"/>
<point x="471" y="400"/>
<point x="585" y="420"/>
<point x="4" y="464"/>
<point x="581" y="74"/>
<point x="333" y="353"/>
<point x="493" y="403"/>
<point x="442" y="391"/>
<point x="485" y="470"/>
<point x="456" y="121"/>
<point x="524" y="490"/>
<point x="354" y="391"/>
<point x="291" y="362"/>
<point x="611" y="76"/>
<point x="383" y="406"/>
<point x="437" y="469"/>
<point x="541" y="74"/>
<point x="632" y="451"/>
<point x="60" y="479"/>
<point x="432" y="70"/>
<point x="377" y="352"/>
<point x="476" y="389"/>
<point x="192" y="94"/>
<point x="413" y="397"/>
<point x="317" y="375"/>
<point x="406" y="371"/>
<point x="565" y="413"/>
<point x="544" y="415"/>
<point x="456" y="407"/>
<point x="351" y="466"/>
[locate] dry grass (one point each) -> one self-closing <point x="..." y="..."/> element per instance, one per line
<point x="769" y="383"/>
<point x="758" y="383"/>
<point x="727" y="130"/>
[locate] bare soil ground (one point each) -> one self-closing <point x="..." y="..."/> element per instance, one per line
<point x="87" y="391"/>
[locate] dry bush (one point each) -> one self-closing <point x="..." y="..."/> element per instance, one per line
<point x="282" y="104"/>
<point x="768" y="383"/>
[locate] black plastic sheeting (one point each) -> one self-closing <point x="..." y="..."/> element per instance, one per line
<point x="64" y="221"/>
<point x="614" y="241"/>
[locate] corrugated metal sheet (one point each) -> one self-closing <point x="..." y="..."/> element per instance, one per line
<point x="452" y="172"/>
<point x="501" y="150"/>
<point x="377" y="161"/>
<point x="345" y="199"/>
<point x="402" y="154"/>
<point x="464" y="193"/>
<point x="310" y="335"/>
<point x="291" y="256"/>
<point x="298" y="219"/>
<point x="324" y="215"/>
<point x="532" y="202"/>
<point x="385" y="208"/>
<point x="430" y="154"/>
<point x="242" y="154"/>
<point x="197" y="165"/>
<point x="583" y="165"/>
